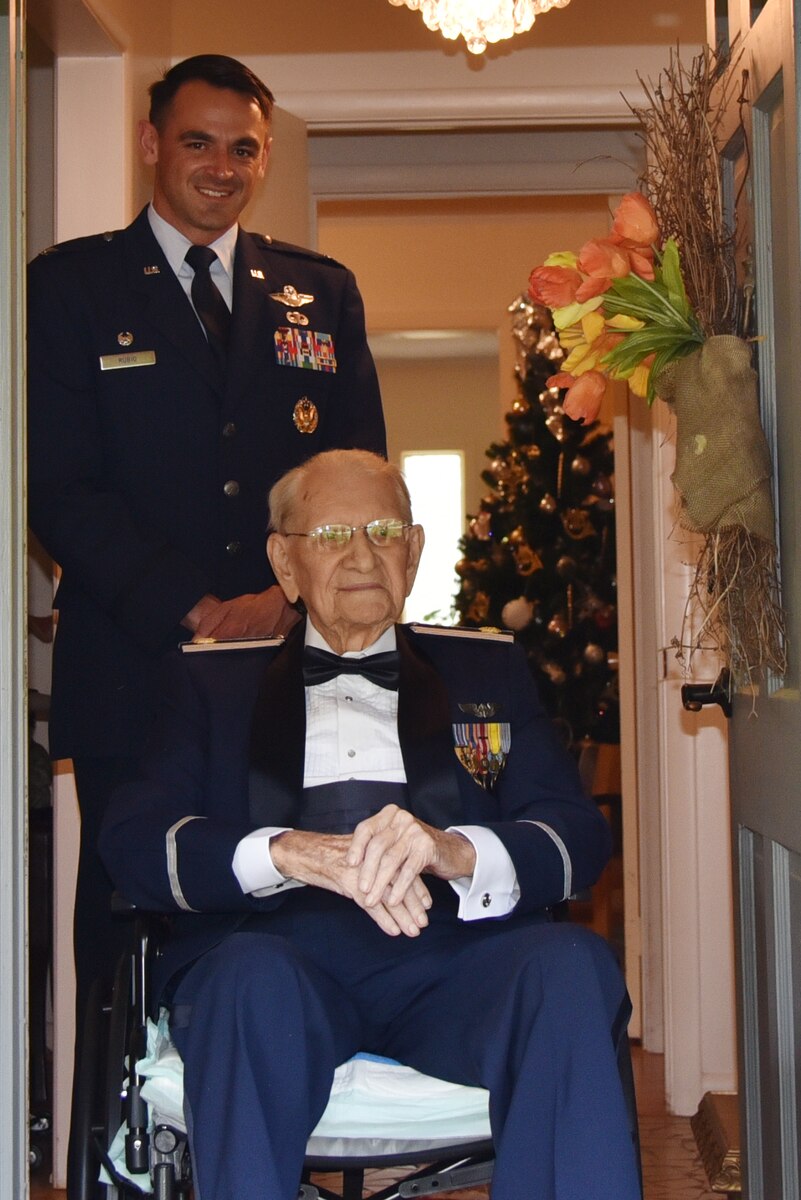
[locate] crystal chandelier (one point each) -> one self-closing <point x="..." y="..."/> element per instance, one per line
<point x="480" y="21"/>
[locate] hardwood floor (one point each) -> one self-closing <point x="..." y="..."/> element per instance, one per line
<point x="671" y="1167"/>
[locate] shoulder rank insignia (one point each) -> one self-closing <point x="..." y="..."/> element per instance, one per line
<point x="203" y="645"/>
<point x="486" y="632"/>
<point x="291" y="297"/>
<point x="482" y="748"/>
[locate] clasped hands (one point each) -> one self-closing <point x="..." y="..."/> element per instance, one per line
<point x="379" y="866"/>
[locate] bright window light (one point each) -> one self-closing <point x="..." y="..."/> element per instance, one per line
<point x="436" y="484"/>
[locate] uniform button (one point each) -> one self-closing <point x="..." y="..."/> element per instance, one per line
<point x="231" y="488"/>
<point x="233" y="548"/>
<point x="351" y="754"/>
<point x="486" y="900"/>
<point x="229" y="429"/>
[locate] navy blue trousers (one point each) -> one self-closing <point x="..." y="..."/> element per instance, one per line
<point x="525" y="1009"/>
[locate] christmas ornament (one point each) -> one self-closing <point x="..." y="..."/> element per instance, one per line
<point x="595" y="655"/>
<point x="548" y="503"/>
<point x="605" y="616"/>
<point x="517" y="614"/>
<point x="554" y="672"/>
<point x="559" y="625"/>
<point x="577" y="523"/>
<point x="566" y="567"/>
<point x="556" y="425"/>
<point x="479" y="608"/>
<point x="480" y="526"/>
<point x="581" y="465"/>
<point x="527" y="560"/>
<point x="602" y="486"/>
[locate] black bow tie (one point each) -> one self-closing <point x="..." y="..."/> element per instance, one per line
<point x="319" y="666"/>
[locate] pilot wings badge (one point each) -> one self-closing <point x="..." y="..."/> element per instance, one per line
<point x="482" y="748"/>
<point x="291" y="297"/>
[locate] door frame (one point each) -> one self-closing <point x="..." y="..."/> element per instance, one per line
<point x="13" y="689"/>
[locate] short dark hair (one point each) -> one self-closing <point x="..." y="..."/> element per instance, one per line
<point x="216" y="69"/>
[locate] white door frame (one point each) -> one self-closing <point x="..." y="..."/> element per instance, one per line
<point x="13" y="691"/>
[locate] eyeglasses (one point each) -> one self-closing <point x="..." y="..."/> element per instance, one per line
<point x="382" y="532"/>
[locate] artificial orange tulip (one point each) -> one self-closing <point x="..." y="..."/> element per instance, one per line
<point x="553" y="286"/>
<point x="635" y="221"/>
<point x="582" y="401"/>
<point x="601" y="261"/>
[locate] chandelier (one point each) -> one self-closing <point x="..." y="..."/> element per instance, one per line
<point x="480" y="21"/>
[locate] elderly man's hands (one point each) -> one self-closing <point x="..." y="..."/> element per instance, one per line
<point x="379" y="866"/>
<point x="393" y="849"/>
<point x="323" y="860"/>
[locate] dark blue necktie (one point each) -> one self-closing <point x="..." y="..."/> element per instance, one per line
<point x="319" y="666"/>
<point x="208" y="301"/>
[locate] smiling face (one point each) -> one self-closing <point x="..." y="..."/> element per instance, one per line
<point x="354" y="592"/>
<point x="210" y="150"/>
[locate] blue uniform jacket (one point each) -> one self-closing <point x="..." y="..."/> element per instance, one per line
<point x="148" y="482"/>
<point x="231" y="741"/>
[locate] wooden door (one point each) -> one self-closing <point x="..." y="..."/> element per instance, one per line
<point x="765" y="745"/>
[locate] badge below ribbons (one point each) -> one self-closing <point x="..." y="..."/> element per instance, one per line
<point x="305" y="348"/>
<point x="482" y="748"/>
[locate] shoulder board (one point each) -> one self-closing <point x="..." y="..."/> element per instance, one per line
<point x="485" y="633"/>
<point x="270" y="243"/>
<point x="205" y="644"/>
<point x="93" y="241"/>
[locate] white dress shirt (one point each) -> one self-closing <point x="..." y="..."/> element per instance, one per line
<point x="175" y="245"/>
<point x="352" y="733"/>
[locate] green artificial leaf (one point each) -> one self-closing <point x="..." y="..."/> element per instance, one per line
<point x="670" y="272"/>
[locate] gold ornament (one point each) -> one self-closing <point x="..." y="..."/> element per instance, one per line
<point x="577" y="524"/>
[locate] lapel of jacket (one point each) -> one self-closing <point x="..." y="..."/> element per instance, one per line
<point x="426" y="737"/>
<point x="165" y="303"/>
<point x="278" y="738"/>
<point x="252" y="347"/>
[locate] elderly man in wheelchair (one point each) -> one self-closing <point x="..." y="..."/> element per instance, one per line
<point x="361" y="832"/>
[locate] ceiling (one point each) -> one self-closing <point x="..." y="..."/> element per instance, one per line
<point x="346" y="26"/>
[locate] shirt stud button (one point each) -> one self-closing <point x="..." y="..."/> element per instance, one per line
<point x="351" y="754"/>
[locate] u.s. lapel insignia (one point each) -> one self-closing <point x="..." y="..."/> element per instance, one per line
<point x="154" y="270"/>
<point x="291" y="297"/>
<point x="256" y="273"/>
<point x="305" y="415"/>
<point x="482" y="749"/>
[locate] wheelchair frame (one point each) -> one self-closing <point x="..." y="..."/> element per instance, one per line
<point x="117" y="1031"/>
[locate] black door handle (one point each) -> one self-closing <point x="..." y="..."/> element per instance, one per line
<point x="695" y="695"/>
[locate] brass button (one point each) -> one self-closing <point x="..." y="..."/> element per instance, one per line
<point x="229" y="429"/>
<point x="231" y="488"/>
<point x="234" y="548"/>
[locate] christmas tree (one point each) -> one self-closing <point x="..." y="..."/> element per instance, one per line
<point x="539" y="557"/>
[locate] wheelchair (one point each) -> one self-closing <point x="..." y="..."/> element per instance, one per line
<point x="108" y="1095"/>
<point x="108" y="1101"/>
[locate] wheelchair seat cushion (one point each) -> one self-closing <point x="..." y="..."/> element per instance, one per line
<point x="373" y="1100"/>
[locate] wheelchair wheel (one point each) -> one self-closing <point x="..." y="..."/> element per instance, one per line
<point x="115" y="1067"/>
<point x="82" y="1165"/>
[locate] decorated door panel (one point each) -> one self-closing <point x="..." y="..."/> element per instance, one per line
<point x="765" y="742"/>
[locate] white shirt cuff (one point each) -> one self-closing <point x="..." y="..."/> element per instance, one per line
<point x="253" y="864"/>
<point x="492" y="890"/>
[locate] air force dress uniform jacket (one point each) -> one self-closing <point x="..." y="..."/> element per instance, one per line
<point x="229" y="758"/>
<point x="149" y="470"/>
